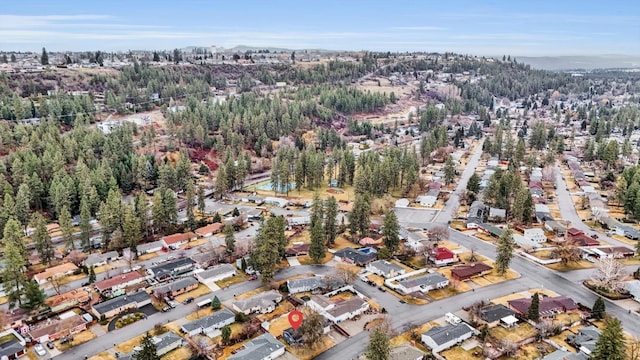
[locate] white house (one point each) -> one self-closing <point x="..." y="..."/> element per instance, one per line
<point x="338" y="311"/>
<point x="535" y="234"/>
<point x="423" y="284"/>
<point x="440" y="338"/>
<point x="264" y="347"/>
<point x="525" y="242"/>
<point x="305" y="284"/>
<point x="262" y="303"/>
<point x="426" y="200"/>
<point x="209" y="324"/>
<point x="385" y="269"/>
<point x="402" y="203"/>
<point x="216" y="273"/>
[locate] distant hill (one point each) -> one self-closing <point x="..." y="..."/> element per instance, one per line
<point x="244" y="48"/>
<point x="582" y="62"/>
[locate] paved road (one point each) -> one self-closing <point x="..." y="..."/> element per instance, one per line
<point x="568" y="211"/>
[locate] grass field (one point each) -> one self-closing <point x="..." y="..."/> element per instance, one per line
<point x="197" y="292"/>
<point x="302" y="353"/>
<point x="238" y="278"/>
<point x="518" y="333"/>
<point x="181" y="353"/>
<point x="79" y="338"/>
<point x="458" y="353"/>
<point x="575" y="265"/>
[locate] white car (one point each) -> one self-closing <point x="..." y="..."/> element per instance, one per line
<point x="39" y="349"/>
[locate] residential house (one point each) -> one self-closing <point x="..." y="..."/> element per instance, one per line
<point x="542" y="212"/>
<point x="119" y="282"/>
<point x="585" y="340"/>
<point x="427" y="200"/>
<point x="440" y="338"/>
<point x="171" y="269"/>
<point x="97" y="259"/>
<point x="555" y="227"/>
<point x="68" y="300"/>
<point x="549" y="306"/>
<point x="476" y="214"/>
<point x="297" y="249"/>
<point x="12" y="350"/>
<point x="580" y="238"/>
<point x="54" y="329"/>
<point x="209" y="230"/>
<point x="423" y="283"/>
<point x="620" y="228"/>
<point x="264" y="347"/>
<point x="563" y="354"/>
<point x="296" y="286"/>
<point x="262" y="303"/>
<point x="359" y="257"/>
<point x="497" y="215"/>
<point x="493" y="314"/>
<point x="298" y="220"/>
<point x="406" y="352"/>
<point x="610" y="252"/>
<point x="55" y="272"/>
<point x="385" y="269"/>
<point x="119" y="304"/>
<point x="216" y="273"/>
<point x="176" y="240"/>
<point x="442" y="256"/>
<point x="209" y="324"/>
<point x="536" y="235"/>
<point x="402" y="203"/>
<point x="149" y="248"/>
<point x="275" y="201"/>
<point x="292" y="336"/>
<point x="467" y="271"/>
<point x="633" y="287"/>
<point x="166" y="342"/>
<point x="524" y="242"/>
<point x="177" y="287"/>
<point x="338" y="311"/>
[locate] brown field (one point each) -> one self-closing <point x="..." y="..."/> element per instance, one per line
<point x="197" y="292"/>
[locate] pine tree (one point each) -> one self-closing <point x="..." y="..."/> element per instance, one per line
<point x="131" y="229"/>
<point x="504" y="251"/>
<point x="449" y="171"/>
<point x="226" y="334"/>
<point x="215" y="303"/>
<point x="598" y="310"/>
<point x="44" y="58"/>
<point x="391" y="231"/>
<point x="92" y="275"/>
<point x="330" y="214"/>
<point x="22" y="205"/>
<point x="217" y="218"/>
<point x="611" y="343"/>
<point x="85" y="221"/>
<point x="148" y="349"/>
<point x="473" y="184"/>
<point x="13" y="277"/>
<point x="379" y="347"/>
<point x="201" y="201"/>
<point x="534" y="309"/>
<point x="34" y="296"/>
<point x="229" y="239"/>
<point x="317" y="250"/>
<point x="41" y="238"/>
<point x="269" y="247"/>
<point x="67" y="228"/>
<point x="359" y="215"/>
<point x="190" y="198"/>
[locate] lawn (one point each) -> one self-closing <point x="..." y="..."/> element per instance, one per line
<point x="238" y="278"/>
<point x="440" y="294"/>
<point x="533" y="351"/>
<point x="560" y="339"/>
<point x="405" y="337"/>
<point x="575" y="265"/>
<point x="4" y="300"/>
<point x="458" y="353"/>
<point x="302" y="353"/>
<point x="197" y="292"/>
<point x="147" y="256"/>
<point x="631" y="261"/>
<point x="306" y="260"/>
<point x="480" y="281"/>
<point x="504" y="299"/>
<point x="127" y="346"/>
<point x="206" y="311"/>
<point x="624" y="239"/>
<point x="277" y="326"/>
<point x="494" y="278"/>
<point x="79" y="338"/>
<point x="518" y="333"/>
<point x="181" y="353"/>
<point x="103" y="356"/>
<point x="283" y="308"/>
<point x="567" y="319"/>
<point x="341" y="243"/>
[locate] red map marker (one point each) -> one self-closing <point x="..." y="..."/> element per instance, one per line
<point x="295" y="319"/>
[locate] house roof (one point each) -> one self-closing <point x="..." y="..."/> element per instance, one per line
<point x="548" y="305"/>
<point x="177" y="285"/>
<point x="311" y="283"/>
<point x="55" y="326"/>
<point x="345" y="307"/>
<point x="217" y="270"/>
<point x="495" y="212"/>
<point x="297" y="249"/>
<point x="97" y="258"/>
<point x="77" y="295"/>
<point x="495" y="312"/>
<point x="56" y="270"/>
<point x="426" y="280"/>
<point x="121" y="301"/>
<point x="616" y="250"/>
<point x="209" y="321"/>
<point x="117" y="280"/>
<point x="262" y="300"/>
<point x="149" y="246"/>
<point x="171" y="266"/>
<point x="566" y="355"/>
<point x="386" y="267"/>
<point x="166" y="339"/>
<point x="258" y="348"/>
<point x="211" y="228"/>
<point x="177" y="238"/>
<point x="633" y="287"/>
<point x="442" y="253"/>
<point x="356" y="256"/>
<point x="586" y="337"/>
<point x="321" y="300"/>
<point x="405" y="352"/>
<point x="443" y="334"/>
<point x="466" y="270"/>
<point x="10" y="347"/>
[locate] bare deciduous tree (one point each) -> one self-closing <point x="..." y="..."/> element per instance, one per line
<point x="609" y="274"/>
<point x="346" y="273"/>
<point x="439" y="233"/>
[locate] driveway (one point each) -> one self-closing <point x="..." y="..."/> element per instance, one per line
<point x="148" y="310"/>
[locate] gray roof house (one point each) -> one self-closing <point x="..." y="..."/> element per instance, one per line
<point x="172" y="268"/>
<point x="440" y="338"/>
<point x="177" y="286"/>
<point x="216" y="273"/>
<point x="167" y="342"/>
<point x="305" y="284"/>
<point x="585" y="340"/>
<point x="264" y="347"/>
<point x="263" y="303"/>
<point x="121" y="303"/>
<point x="385" y="268"/>
<point x="423" y="284"/>
<point x="494" y="313"/>
<point x="97" y="259"/>
<point x="476" y="214"/>
<point x="565" y="355"/>
<point x="209" y="324"/>
<point x="150" y="247"/>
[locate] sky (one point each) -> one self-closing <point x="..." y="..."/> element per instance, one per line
<point x="489" y="27"/>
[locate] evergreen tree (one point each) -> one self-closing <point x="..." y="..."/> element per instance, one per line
<point x="449" y="170"/>
<point x="201" y="201"/>
<point x="22" y="204"/>
<point x="217" y="218"/>
<point x="191" y="202"/>
<point x="156" y="57"/>
<point x="611" y="343"/>
<point x="330" y="214"/>
<point x="317" y="250"/>
<point x="41" y="238"/>
<point x="67" y="228"/>
<point x="34" y="296"/>
<point x="92" y="275"/>
<point x="131" y="229"/>
<point x="473" y="184"/>
<point x="359" y="215"/>
<point x="534" y="309"/>
<point x="215" y="303"/>
<point x="226" y="334"/>
<point x="598" y="310"/>
<point x="379" y="347"/>
<point x="85" y="221"/>
<point x="504" y="251"/>
<point x="148" y="350"/>
<point x="229" y="239"/>
<point x="269" y="247"/>
<point x="391" y="231"/>
<point x="44" y="58"/>
<point x="13" y="277"/>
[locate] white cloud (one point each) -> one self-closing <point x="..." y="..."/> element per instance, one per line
<point x="418" y="28"/>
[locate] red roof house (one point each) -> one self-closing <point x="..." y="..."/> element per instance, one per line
<point x="119" y="281"/>
<point x="176" y="240"/>
<point x="467" y="271"/>
<point x="442" y="256"/>
<point x="549" y="306"/>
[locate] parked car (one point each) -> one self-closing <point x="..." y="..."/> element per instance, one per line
<point x="188" y="300"/>
<point x="39" y="349"/>
<point x="382" y="289"/>
<point x="50" y="345"/>
<point x="172" y="304"/>
<point x="166" y="309"/>
<point x="252" y="277"/>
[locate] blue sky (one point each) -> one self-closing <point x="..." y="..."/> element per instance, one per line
<point x="525" y="28"/>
